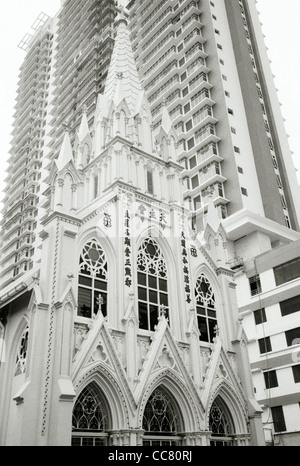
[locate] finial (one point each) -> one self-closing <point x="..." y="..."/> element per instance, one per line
<point x="122" y="15"/>
<point x="66" y="126"/>
<point x="100" y="302"/>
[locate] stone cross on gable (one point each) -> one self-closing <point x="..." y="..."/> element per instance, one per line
<point x="100" y="302"/>
<point x="162" y="311"/>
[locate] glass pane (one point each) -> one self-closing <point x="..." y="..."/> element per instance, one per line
<point x="212" y="326"/>
<point x="260" y="316"/>
<point x="84" y="302"/>
<point x="200" y="310"/>
<point x="100" y="285"/>
<point x="87" y="442"/>
<point x="153" y="296"/>
<point x="163" y="286"/>
<point x="100" y="441"/>
<point x="151" y="249"/>
<point x="278" y="419"/>
<point x="153" y="316"/>
<point x="143" y="316"/>
<point x="142" y="293"/>
<point x="163" y="299"/>
<point x="265" y="345"/>
<point x="203" y="329"/>
<point x="85" y="281"/>
<point x="290" y="306"/>
<point x="152" y="282"/>
<point x="141" y="279"/>
<point x="293" y="336"/>
<point x="76" y="442"/>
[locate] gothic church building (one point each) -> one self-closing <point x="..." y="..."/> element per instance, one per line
<point x="126" y="332"/>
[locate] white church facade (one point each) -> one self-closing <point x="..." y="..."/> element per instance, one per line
<point x="126" y="333"/>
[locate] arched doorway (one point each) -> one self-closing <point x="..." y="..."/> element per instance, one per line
<point x="91" y="419"/>
<point x="220" y="424"/>
<point x="161" y="420"/>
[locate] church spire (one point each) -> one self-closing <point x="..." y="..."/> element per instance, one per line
<point x="83" y="131"/>
<point x="122" y="80"/>
<point x="66" y="151"/>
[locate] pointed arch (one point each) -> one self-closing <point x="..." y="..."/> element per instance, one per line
<point x="207" y="298"/>
<point x="92" y="280"/>
<point x="109" y="252"/>
<point x="152" y="279"/>
<point x="91" y="415"/>
<point x="18" y="350"/>
<point x="173" y="272"/>
<point x="205" y="308"/>
<point x="101" y="378"/>
<point x="22" y="353"/>
<point x="161" y="414"/>
<point x="184" y="407"/>
<point x="231" y="408"/>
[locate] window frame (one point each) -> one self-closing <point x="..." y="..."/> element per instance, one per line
<point x="266" y="341"/>
<point x="271" y="380"/>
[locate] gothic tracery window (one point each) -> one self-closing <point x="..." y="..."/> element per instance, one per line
<point x="92" y="281"/>
<point x="206" y="310"/>
<point x="220" y="424"/>
<point x="90" y="420"/>
<point x="160" y="417"/>
<point x="21" y="360"/>
<point x="152" y="284"/>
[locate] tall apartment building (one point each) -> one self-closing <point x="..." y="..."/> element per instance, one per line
<point x="165" y="173"/>
<point x="207" y="61"/>
<point x="28" y="151"/>
<point x="64" y="69"/>
<point x="84" y="46"/>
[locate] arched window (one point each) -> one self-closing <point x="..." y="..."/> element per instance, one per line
<point x="220" y="424"/>
<point x="160" y="420"/>
<point x="152" y="284"/>
<point x="21" y="360"/>
<point x="90" y="419"/>
<point x="206" y="310"/>
<point x="92" y="281"/>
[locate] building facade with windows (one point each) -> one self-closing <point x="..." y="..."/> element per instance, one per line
<point x="270" y="312"/>
<point x="207" y="62"/>
<point x="21" y="201"/>
<point x="66" y="63"/>
<point x="126" y="332"/>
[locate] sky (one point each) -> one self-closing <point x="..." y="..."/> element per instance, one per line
<point x="280" y="24"/>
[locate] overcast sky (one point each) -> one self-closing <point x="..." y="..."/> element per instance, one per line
<point x="280" y="25"/>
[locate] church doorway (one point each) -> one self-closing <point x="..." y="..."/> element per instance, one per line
<point x="161" y="420"/>
<point x="220" y="425"/>
<point x="90" y="419"/>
